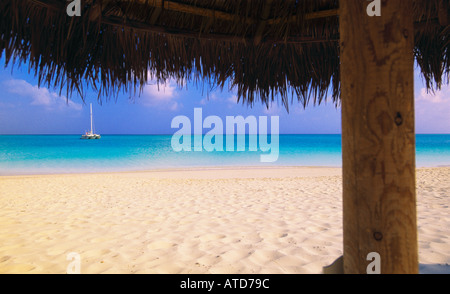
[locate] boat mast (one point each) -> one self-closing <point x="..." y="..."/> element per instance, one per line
<point x="91" y="120"/>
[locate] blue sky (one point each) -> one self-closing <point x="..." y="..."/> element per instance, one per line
<point x="27" y="109"/>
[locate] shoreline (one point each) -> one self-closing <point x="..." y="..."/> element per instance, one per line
<point x="192" y="169"/>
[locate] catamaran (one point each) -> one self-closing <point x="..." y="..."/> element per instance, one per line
<point x="90" y="135"/>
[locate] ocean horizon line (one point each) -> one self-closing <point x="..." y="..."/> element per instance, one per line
<point x="118" y="134"/>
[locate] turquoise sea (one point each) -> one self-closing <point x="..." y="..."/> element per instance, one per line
<point x="32" y="154"/>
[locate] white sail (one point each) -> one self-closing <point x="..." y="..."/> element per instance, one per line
<point x="91" y="119"/>
<point x="91" y="135"/>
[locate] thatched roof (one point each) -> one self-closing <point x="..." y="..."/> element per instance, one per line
<point x="262" y="47"/>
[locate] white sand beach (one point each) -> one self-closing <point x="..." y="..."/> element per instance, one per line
<point x="281" y="220"/>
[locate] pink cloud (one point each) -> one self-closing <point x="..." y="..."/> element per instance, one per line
<point x="433" y="111"/>
<point x="161" y="96"/>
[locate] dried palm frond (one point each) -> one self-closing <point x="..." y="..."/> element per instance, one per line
<point x="265" y="49"/>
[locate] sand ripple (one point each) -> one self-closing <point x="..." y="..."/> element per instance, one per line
<point x="270" y="221"/>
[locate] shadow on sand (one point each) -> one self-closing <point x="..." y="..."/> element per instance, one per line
<point x="434" y="268"/>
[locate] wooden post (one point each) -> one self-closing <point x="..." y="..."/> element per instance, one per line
<point x="378" y="136"/>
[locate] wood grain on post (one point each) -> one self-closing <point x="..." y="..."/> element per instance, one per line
<point x="378" y="136"/>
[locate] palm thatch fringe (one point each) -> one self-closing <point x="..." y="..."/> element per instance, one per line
<point x="263" y="49"/>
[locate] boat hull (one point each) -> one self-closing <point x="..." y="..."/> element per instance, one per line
<point x="90" y="137"/>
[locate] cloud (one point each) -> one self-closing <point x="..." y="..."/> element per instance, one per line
<point x="161" y="96"/>
<point x="274" y="109"/>
<point x="40" y="96"/>
<point x="433" y="111"/>
<point x="233" y="99"/>
<point x="211" y="97"/>
<point x="220" y="98"/>
<point x="438" y="97"/>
